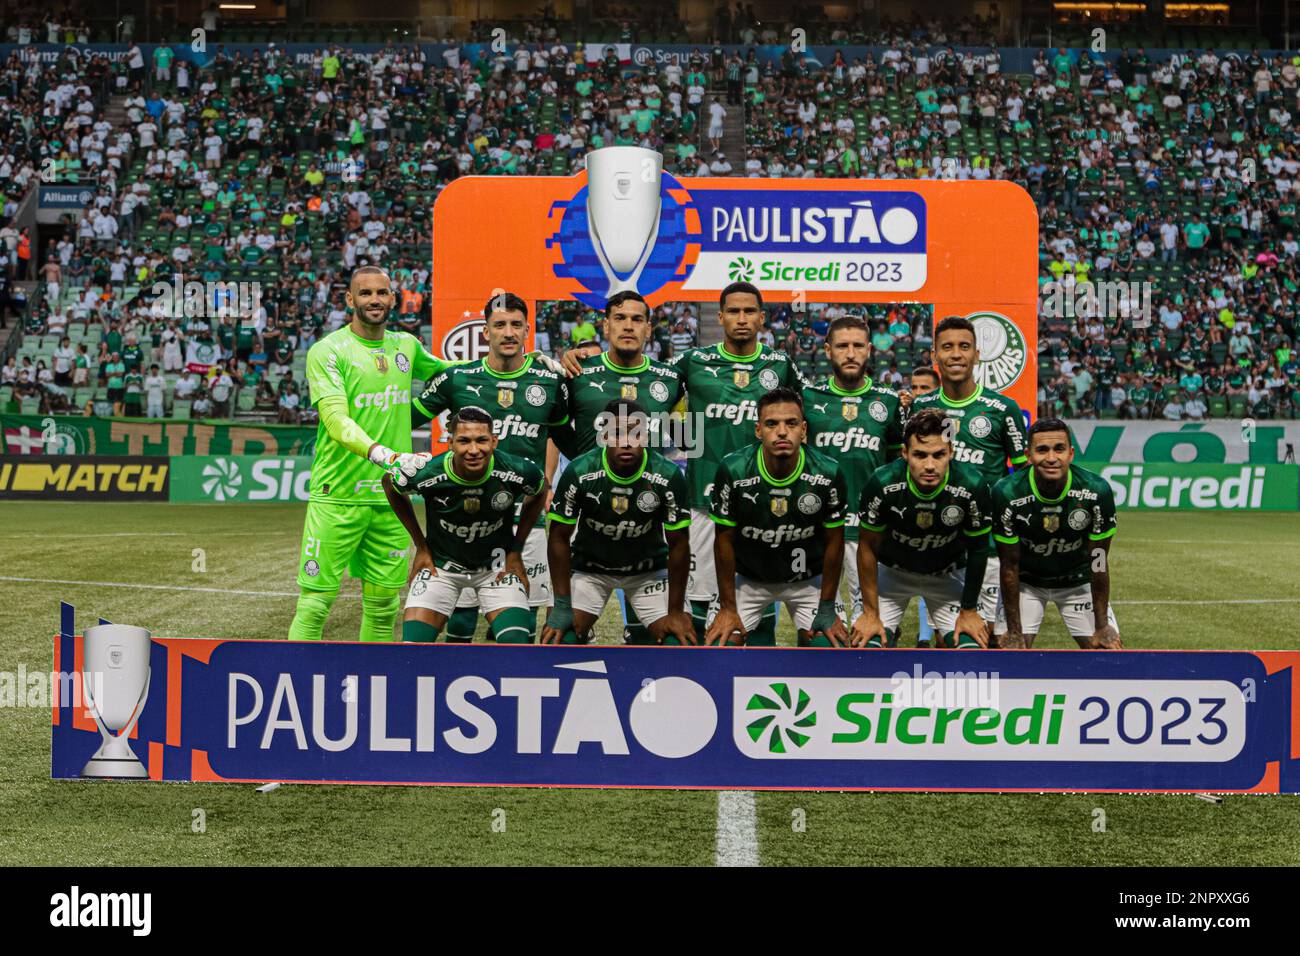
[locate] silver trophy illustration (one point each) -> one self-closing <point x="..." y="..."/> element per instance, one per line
<point x="623" y="210"/>
<point x="115" y="683"/>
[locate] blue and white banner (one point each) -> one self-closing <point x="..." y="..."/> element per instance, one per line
<point x="683" y="717"/>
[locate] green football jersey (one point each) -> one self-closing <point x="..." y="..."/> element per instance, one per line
<point x="778" y="523"/>
<point x="722" y="393"/>
<point x="1054" y="533"/>
<point x="524" y="404"/>
<point x="470" y="526"/>
<point x="862" y="429"/>
<point x="375" y="379"/>
<point x="621" y="521"/>
<point x="926" y="534"/>
<point x="652" y="385"/>
<point x="990" y="429"/>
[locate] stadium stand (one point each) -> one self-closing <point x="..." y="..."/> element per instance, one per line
<point x="1177" y="179"/>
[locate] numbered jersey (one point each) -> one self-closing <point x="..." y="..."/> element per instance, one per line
<point x="470" y="524"/>
<point x="652" y="385"/>
<point x="1054" y="534"/>
<point x="778" y="524"/>
<point x="862" y="429"/>
<point x="621" y="521"/>
<point x="524" y="404"/>
<point x="374" y="378"/>
<point x="989" y="430"/>
<point x="722" y="393"/>
<point x="926" y="533"/>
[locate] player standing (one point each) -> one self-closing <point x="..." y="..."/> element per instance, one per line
<point x="1053" y="524"/>
<point x="858" y="422"/>
<point x="627" y="504"/>
<point x="924" y="381"/>
<point x="526" y="400"/>
<point x="924" y="533"/>
<point x="360" y="379"/>
<point x="622" y="371"/>
<point x="779" y="508"/>
<point x="988" y="429"/>
<point x="470" y="495"/>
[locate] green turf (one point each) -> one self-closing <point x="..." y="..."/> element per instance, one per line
<point x="1189" y="557"/>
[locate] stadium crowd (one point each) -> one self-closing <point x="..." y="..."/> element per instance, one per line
<point x="1178" y="179"/>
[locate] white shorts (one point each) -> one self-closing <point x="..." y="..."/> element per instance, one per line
<point x="1075" y="605"/>
<point x="800" y="597"/>
<point x="991" y="596"/>
<point x="851" y="581"/>
<point x="646" y="593"/>
<point x="439" y="592"/>
<point x="942" y="593"/>
<point x="535" y="566"/>
<point x="702" y="583"/>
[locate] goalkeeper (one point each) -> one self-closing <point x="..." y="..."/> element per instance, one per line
<point x="360" y="380"/>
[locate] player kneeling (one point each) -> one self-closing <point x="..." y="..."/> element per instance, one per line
<point x="923" y="533"/>
<point x="1053" y="523"/>
<point x="779" y="508"/>
<point x="630" y="509"/>
<point x="469" y="501"/>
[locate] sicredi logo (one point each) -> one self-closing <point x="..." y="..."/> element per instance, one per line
<point x="815" y="240"/>
<point x="833" y="718"/>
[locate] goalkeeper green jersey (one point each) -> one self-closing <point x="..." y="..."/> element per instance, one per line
<point x="862" y="429"/>
<point x="778" y="523"/>
<point x="926" y="533"/>
<point x="374" y="378"/>
<point x="470" y="524"/>
<point x="621" y="521"/>
<point x="652" y="385"/>
<point x="524" y="404"/>
<point x="722" y="393"/>
<point x="1054" y="534"/>
<point x="990" y="429"/>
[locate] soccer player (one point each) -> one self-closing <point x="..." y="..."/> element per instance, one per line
<point x="627" y="504"/>
<point x="360" y="379"/>
<point x="779" y="508"/>
<point x="1053" y="523"/>
<point x="924" y="381"/>
<point x="470" y="494"/>
<point x="526" y="400"/>
<point x="924" y="532"/>
<point x="988" y="430"/>
<point x="723" y="386"/>
<point x="858" y="422"/>
<point x="623" y="371"/>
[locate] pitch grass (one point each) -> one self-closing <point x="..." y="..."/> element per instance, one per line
<point x="1187" y="557"/>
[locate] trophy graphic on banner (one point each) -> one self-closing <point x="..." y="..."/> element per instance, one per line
<point x="623" y="210"/>
<point x="117" y="657"/>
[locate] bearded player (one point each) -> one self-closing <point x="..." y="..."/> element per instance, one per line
<point x="1053" y="524"/>
<point x="856" y="421"/>
<point x="526" y="401"/>
<point x="924" y="533"/>
<point x="779" y="508"/>
<point x="360" y="379"/>
<point x="988" y="430"/>
<point x="471" y="543"/>
<point x="619" y="521"/>
<point x="924" y="380"/>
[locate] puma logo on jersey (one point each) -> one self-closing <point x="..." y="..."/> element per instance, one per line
<point x="750" y="497"/>
<point x="714" y="370"/>
<point x="820" y="408"/>
<point x="476" y="389"/>
<point x="598" y="386"/>
<point x="594" y="497"/>
<point x="902" y="513"/>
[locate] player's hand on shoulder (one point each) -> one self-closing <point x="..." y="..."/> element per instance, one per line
<point x="905" y="399"/>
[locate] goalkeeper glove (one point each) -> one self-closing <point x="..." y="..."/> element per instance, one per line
<point x="550" y="364"/>
<point x="401" y="466"/>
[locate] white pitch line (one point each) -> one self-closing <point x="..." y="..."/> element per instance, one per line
<point x="737" y="841"/>
<point x="148" y="534"/>
<point x="1289" y="600"/>
<point x="156" y="587"/>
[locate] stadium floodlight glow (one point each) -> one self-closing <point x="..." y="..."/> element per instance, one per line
<point x="117" y="657"/>
<point x="623" y="210"/>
